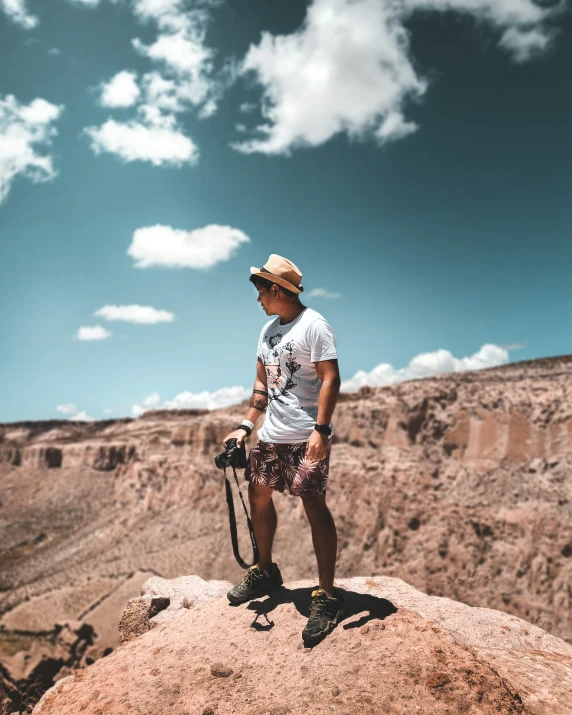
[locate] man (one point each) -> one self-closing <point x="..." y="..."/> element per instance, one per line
<point x="297" y="378"/>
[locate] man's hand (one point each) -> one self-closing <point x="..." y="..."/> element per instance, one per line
<point x="238" y="434"/>
<point x="317" y="446"/>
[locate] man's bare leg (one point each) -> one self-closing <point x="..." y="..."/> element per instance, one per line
<point x="264" y="520"/>
<point x="324" y="538"/>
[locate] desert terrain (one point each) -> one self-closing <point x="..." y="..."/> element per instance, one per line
<point x="459" y="485"/>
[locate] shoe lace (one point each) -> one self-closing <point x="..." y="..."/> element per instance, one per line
<point x="249" y="576"/>
<point x="319" y="603"/>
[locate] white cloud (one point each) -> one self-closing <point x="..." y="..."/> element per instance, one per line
<point x="180" y="51"/>
<point x="224" y="397"/>
<point x="152" y="400"/>
<point x="349" y="68"/>
<point x="108" y="410"/>
<point x="183" y="81"/>
<point x="524" y="43"/>
<point x="96" y="332"/>
<point x="81" y="417"/>
<point x="148" y="403"/>
<point x="135" y="314"/>
<point x="322" y="293"/>
<point x="426" y="365"/>
<point x="18" y="13"/>
<point x="67" y="409"/>
<point x="161" y="141"/>
<point x="184" y="56"/>
<point x="208" y="400"/>
<point x="515" y="346"/>
<point x="174" y="248"/>
<point x="24" y="129"/>
<point x="54" y="52"/>
<point x="160" y="92"/>
<point x="121" y="90"/>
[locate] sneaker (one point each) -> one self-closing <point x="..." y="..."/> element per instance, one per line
<point x="325" y="614"/>
<point x="255" y="583"/>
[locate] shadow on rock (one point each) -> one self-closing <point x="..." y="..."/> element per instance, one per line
<point x="377" y="608"/>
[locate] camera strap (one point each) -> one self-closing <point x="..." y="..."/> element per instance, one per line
<point x="232" y="519"/>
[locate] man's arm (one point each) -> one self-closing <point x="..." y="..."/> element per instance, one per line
<point x="328" y="373"/>
<point x="258" y="402"/>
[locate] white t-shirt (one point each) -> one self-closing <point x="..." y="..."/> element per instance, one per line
<point x="289" y="353"/>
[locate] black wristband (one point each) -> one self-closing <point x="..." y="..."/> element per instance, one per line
<point x="323" y="429"/>
<point x="246" y="428"/>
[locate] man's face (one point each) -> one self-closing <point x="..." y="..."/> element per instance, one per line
<point x="267" y="300"/>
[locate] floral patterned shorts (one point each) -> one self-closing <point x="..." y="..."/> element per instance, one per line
<point x="279" y="465"/>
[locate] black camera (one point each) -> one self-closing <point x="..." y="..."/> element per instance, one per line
<point x="233" y="456"/>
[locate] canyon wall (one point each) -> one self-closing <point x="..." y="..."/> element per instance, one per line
<point x="459" y="484"/>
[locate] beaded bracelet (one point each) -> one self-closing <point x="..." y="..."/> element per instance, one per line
<point x="246" y="428"/>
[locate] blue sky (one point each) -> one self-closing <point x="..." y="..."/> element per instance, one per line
<point x="411" y="157"/>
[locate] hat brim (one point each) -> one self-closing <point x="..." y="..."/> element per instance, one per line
<point x="275" y="279"/>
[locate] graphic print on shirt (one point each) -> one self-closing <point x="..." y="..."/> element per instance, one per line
<point x="280" y="381"/>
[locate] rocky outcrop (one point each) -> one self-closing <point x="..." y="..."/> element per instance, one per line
<point x="162" y="599"/>
<point x="397" y="651"/>
<point x="458" y="484"/>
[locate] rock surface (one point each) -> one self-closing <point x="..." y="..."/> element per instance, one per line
<point x="397" y="651"/>
<point x="162" y="600"/>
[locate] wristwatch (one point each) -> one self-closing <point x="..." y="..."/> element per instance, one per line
<point x="323" y="429"/>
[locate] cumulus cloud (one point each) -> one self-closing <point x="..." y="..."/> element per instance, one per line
<point x="157" y="140"/>
<point x="18" y="12"/>
<point x="175" y="248"/>
<point x="81" y="417"/>
<point x="208" y="400"/>
<point x="95" y="332"/>
<point x="426" y="365"/>
<point x="150" y="402"/>
<point x="185" y="57"/>
<point x="54" y="52"/>
<point x="180" y="49"/>
<point x="322" y="293"/>
<point x="77" y="416"/>
<point x="67" y="409"/>
<point x="135" y="314"/>
<point x="349" y="68"/>
<point x="26" y="130"/>
<point x="121" y="90"/>
<point x="346" y="69"/>
<point x="182" y="79"/>
<point x="525" y="43"/>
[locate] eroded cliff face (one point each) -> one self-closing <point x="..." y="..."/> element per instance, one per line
<point x="458" y="484"/>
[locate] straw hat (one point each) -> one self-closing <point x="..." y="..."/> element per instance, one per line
<point x="282" y="271"/>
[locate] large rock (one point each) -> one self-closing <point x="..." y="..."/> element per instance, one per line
<point x="162" y="600"/>
<point x="397" y="651"/>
